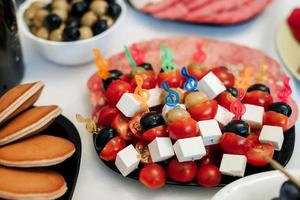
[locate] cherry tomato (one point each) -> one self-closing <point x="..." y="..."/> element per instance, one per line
<point x="233" y="144"/>
<point x="258" y="98"/>
<point x="225" y="99"/>
<point x="254" y="155"/>
<point x="126" y="78"/>
<point x="183" y="128"/>
<point x="151" y="134"/>
<point x="173" y="78"/>
<point x="182" y="171"/>
<point x="198" y="71"/>
<point x="153" y="176"/>
<point x="213" y="156"/>
<point x="106" y="115"/>
<point x="276" y="119"/>
<point x="209" y="176"/>
<point x="251" y="141"/>
<point x="149" y="80"/>
<point x="115" y="91"/>
<point x="135" y="125"/>
<point x="121" y="125"/>
<point x="225" y="75"/>
<point x="112" y="148"/>
<point x="204" y="111"/>
<point x="142" y="148"/>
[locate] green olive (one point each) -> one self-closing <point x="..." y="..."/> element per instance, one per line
<point x="85" y="33"/>
<point x="99" y="7"/>
<point x="33" y="30"/>
<point x="179" y="91"/>
<point x="43" y="33"/>
<point x="56" y="35"/>
<point x="88" y="19"/>
<point x="29" y="16"/>
<point x="63" y="14"/>
<point x="38" y="5"/>
<point x="194" y="98"/>
<point x="62" y="5"/>
<point x="108" y="20"/>
<point x="176" y="114"/>
<point x="39" y="17"/>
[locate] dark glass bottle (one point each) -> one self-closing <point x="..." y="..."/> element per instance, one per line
<point x="11" y="61"/>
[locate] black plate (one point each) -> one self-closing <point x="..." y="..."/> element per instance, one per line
<point x="193" y="23"/>
<point x="62" y="127"/>
<point x="282" y="157"/>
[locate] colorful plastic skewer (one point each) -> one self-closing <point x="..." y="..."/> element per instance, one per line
<point x="142" y="95"/>
<point x="243" y="81"/>
<point x="286" y="90"/>
<point x="262" y="75"/>
<point x="167" y="59"/>
<point x="191" y="83"/>
<point x="237" y="107"/>
<point x="130" y="58"/>
<point x="102" y="64"/>
<point x="172" y="98"/>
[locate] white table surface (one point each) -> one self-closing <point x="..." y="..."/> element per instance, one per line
<point x="66" y="86"/>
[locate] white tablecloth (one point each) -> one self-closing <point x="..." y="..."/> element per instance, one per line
<point x="66" y="86"/>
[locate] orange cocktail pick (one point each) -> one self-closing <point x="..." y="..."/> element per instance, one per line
<point x="243" y="81"/>
<point x="102" y="64"/>
<point x="142" y="95"/>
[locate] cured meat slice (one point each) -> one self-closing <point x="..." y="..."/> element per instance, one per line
<point x="177" y="11"/>
<point x="218" y="53"/>
<point x="156" y="7"/>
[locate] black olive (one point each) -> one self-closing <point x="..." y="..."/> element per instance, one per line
<point x="108" y="81"/>
<point x="52" y="21"/>
<point x="73" y="22"/>
<point x="49" y="7"/>
<point x="71" y="34"/>
<point x="114" y="10"/>
<point x="111" y="1"/>
<point x="151" y="120"/>
<point x="115" y="73"/>
<point x="104" y="135"/>
<point x="87" y="1"/>
<point x="146" y="66"/>
<point x="281" y="107"/>
<point x="260" y="87"/>
<point x="233" y="91"/>
<point x="238" y="127"/>
<point x="99" y="27"/>
<point x="78" y="9"/>
<point x="289" y="191"/>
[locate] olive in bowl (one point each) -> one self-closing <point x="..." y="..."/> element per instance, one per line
<point x="65" y="31"/>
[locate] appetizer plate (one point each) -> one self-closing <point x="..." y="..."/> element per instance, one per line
<point x="289" y="49"/>
<point x="282" y="157"/>
<point x="62" y="127"/>
<point x="260" y="186"/>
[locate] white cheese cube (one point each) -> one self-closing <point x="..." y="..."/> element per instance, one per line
<point x="233" y="165"/>
<point x="139" y="4"/>
<point x="272" y="135"/>
<point x="161" y="149"/>
<point x="210" y="131"/>
<point x="127" y="160"/>
<point x="167" y="108"/>
<point x="223" y="116"/>
<point x="129" y="105"/>
<point x="155" y="97"/>
<point x="189" y="149"/>
<point x="254" y="115"/>
<point x="211" y="85"/>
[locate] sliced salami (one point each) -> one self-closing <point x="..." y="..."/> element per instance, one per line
<point x="218" y="53"/>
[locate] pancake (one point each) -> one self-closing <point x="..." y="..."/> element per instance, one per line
<point x="32" y="184"/>
<point x="19" y="99"/>
<point x="37" y="151"/>
<point x="29" y="123"/>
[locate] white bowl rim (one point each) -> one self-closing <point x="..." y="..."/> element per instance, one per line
<point x="24" y="27"/>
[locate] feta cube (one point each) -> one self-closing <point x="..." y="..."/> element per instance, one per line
<point x="233" y="165"/>
<point x="127" y="160"/>
<point x="161" y="149"/>
<point x="167" y="108"/>
<point x="129" y="105"/>
<point x="254" y="115"/>
<point x="210" y="131"/>
<point x="155" y="97"/>
<point x="223" y="116"/>
<point x="211" y="85"/>
<point x="272" y="135"/>
<point x="189" y="149"/>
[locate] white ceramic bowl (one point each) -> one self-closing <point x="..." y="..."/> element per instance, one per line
<point x="70" y="53"/>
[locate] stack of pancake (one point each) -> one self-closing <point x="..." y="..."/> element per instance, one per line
<point x="24" y="153"/>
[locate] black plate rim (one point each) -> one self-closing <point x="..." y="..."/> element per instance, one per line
<point x="289" y="143"/>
